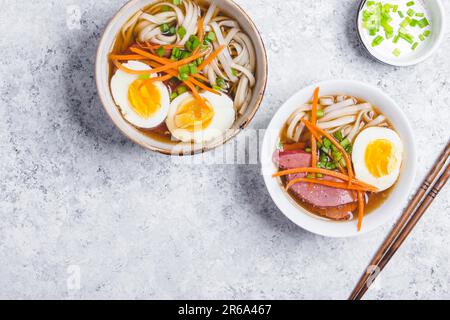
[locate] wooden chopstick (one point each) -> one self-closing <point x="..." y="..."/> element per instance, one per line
<point x="405" y="224"/>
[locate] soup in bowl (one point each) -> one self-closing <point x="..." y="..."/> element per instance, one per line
<point x="181" y="77"/>
<point x="339" y="158"/>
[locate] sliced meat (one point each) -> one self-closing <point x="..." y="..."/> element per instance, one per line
<point x="292" y="159"/>
<point x="333" y="203"/>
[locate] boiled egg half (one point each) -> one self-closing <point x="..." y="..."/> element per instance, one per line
<point x="377" y="157"/>
<point x="143" y="102"/>
<point x="191" y="121"/>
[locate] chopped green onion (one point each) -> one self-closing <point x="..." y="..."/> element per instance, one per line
<point x="396" y="52"/>
<point x="426" y="33"/>
<point x="181" y="32"/>
<point x="308" y="150"/>
<point x="413" y="23"/>
<point x="423" y="23"/>
<point x="144" y="77"/>
<point x="410" y="4"/>
<point x="420" y="14"/>
<point x="405" y="36"/>
<point x="177" y="2"/>
<point x="396" y="38"/>
<point x="234" y="72"/>
<point x="345" y="142"/>
<point x="405" y="22"/>
<point x="173" y="95"/>
<point x="193" y="68"/>
<point x="319" y="175"/>
<point x="320" y="114"/>
<point x="160" y="51"/>
<point x="400" y="14"/>
<point x="210" y="37"/>
<point x="181" y="90"/>
<point x="377" y="41"/>
<point x="326" y="143"/>
<point x="395" y="8"/>
<point x="221" y="82"/>
<point x="338" y="135"/>
<point x="415" y="45"/>
<point x="310" y="176"/>
<point x="421" y="37"/>
<point x="217" y="88"/>
<point x="165" y="28"/>
<point x="194" y="41"/>
<point x="410" y="12"/>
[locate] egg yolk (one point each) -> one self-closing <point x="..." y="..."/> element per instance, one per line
<point x="380" y="158"/>
<point x="144" y="98"/>
<point x="192" y="116"/>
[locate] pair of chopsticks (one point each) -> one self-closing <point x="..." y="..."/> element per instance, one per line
<point x="408" y="220"/>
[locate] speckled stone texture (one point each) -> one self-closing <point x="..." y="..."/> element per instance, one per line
<point x="76" y="195"/>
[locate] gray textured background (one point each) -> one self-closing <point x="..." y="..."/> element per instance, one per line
<point x="74" y="191"/>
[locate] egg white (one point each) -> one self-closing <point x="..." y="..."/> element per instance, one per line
<point x="358" y="156"/>
<point x="120" y="84"/>
<point x="224" y="117"/>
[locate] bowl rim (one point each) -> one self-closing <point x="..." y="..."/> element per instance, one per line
<point x="411" y="62"/>
<point x="308" y="221"/>
<point x="259" y="95"/>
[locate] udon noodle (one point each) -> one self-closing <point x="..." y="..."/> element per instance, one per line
<point x="233" y="70"/>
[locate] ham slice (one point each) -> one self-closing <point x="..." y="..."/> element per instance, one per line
<point x="333" y="203"/>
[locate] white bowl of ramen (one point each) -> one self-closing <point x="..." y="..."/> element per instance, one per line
<point x="381" y="122"/>
<point x="159" y="114"/>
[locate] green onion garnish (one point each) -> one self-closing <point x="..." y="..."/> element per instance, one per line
<point x="308" y="150"/>
<point x="410" y="4"/>
<point x="181" y="31"/>
<point x="419" y="14"/>
<point x="426" y="33"/>
<point x="415" y="45"/>
<point x="377" y="41"/>
<point x="210" y="37"/>
<point x="319" y="175"/>
<point x="177" y="2"/>
<point x="400" y="14"/>
<point x="320" y="114"/>
<point x="423" y="23"/>
<point x="160" y="51"/>
<point x="421" y="37"/>
<point x="173" y="95"/>
<point x="396" y="52"/>
<point x="144" y="77"/>
<point x="410" y="12"/>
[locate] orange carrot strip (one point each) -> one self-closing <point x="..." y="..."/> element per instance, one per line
<point x="294" y="146"/>
<point x="327" y="173"/>
<point x="120" y="57"/>
<point x="200" y="34"/>
<point x="210" y="58"/>
<point x="130" y="71"/>
<point x="336" y="144"/>
<point x="360" y="210"/>
<point x="314" y="121"/>
<point x="337" y="185"/>
<point x="167" y="66"/>
<point x="201" y="85"/>
<point x="196" y="94"/>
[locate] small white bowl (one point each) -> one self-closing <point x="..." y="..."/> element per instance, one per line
<point x="438" y="22"/>
<point x="389" y="209"/>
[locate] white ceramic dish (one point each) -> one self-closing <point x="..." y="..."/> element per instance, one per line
<point x="389" y="209"/>
<point x="438" y="21"/>
<point x="102" y="78"/>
